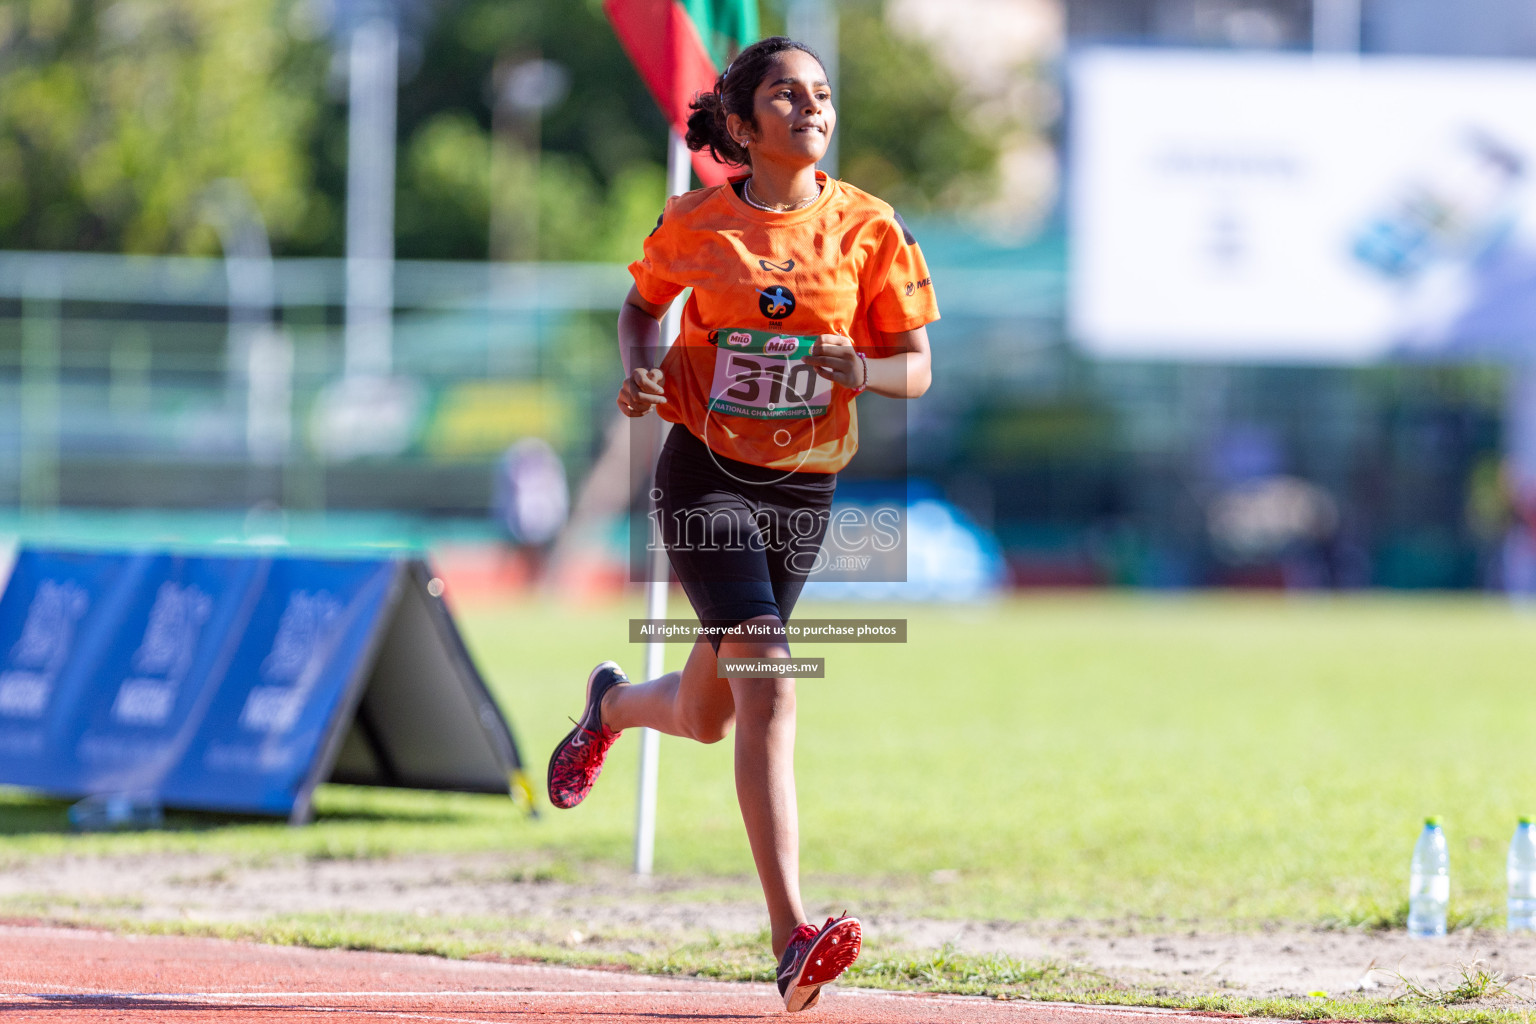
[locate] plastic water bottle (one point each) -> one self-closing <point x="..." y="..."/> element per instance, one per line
<point x="1520" y="870"/>
<point x="103" y="811"/>
<point x="1429" y="883"/>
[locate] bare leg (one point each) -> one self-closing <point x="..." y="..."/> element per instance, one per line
<point x="696" y="704"/>
<point x="765" y="784"/>
<point x="693" y="703"/>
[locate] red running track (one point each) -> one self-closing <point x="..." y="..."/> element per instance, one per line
<point x="60" y="975"/>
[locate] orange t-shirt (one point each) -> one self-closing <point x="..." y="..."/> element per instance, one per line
<point x="764" y="286"/>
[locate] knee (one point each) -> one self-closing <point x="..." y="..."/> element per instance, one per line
<point x="707" y="728"/>
<point x="764" y="700"/>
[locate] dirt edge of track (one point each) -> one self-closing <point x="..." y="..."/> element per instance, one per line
<point x="529" y="915"/>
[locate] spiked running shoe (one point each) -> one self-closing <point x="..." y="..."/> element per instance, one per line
<point x="813" y="958"/>
<point x="578" y="759"/>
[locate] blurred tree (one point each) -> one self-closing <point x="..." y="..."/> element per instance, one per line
<point x="904" y="136"/>
<point x="589" y="182"/>
<point x="116" y="118"/>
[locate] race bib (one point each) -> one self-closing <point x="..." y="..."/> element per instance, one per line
<point x="764" y="375"/>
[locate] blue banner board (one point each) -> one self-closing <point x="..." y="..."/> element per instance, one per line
<point x="131" y="720"/>
<point x="213" y="682"/>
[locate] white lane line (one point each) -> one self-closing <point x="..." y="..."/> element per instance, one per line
<point x="55" y="999"/>
<point x="926" y="997"/>
<point x="270" y="995"/>
<point x="395" y="1013"/>
<point x="718" y="990"/>
<point x="14" y="982"/>
<point x="298" y="1005"/>
<point x="392" y="1013"/>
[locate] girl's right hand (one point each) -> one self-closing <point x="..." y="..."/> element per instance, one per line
<point x="641" y="392"/>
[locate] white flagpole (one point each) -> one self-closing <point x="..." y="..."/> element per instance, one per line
<point x="374" y="57"/>
<point x="679" y="168"/>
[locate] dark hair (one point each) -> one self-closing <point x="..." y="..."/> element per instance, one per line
<point x="733" y="94"/>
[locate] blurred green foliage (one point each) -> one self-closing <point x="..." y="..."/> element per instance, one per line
<point x="903" y="136"/>
<point x="118" y="118"/>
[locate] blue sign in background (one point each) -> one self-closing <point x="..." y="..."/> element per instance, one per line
<point x="301" y="650"/>
<point x="58" y="614"/>
<point x="161" y="660"/>
<point x="212" y="682"/>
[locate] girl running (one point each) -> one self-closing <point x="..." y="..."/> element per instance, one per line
<point x="806" y="292"/>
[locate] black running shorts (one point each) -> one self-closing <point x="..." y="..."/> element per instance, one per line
<point x="742" y="538"/>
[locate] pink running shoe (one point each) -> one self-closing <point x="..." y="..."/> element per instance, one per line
<point x="578" y="759"/>
<point x="814" y="958"/>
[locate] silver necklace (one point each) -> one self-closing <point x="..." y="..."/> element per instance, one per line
<point x="746" y="192"/>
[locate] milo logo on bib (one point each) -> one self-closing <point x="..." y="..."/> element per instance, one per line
<point x="764" y="375"/>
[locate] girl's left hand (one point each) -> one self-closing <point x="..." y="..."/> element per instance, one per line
<point x="834" y="358"/>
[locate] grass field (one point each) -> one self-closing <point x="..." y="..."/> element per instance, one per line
<point x="1224" y="759"/>
<point x="1220" y="759"/>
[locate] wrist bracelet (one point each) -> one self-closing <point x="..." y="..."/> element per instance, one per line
<point x="865" y="382"/>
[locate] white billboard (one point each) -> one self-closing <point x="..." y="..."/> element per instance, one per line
<point x="1301" y="208"/>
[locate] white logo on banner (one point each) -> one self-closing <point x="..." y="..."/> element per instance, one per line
<point x="40" y="652"/>
<point x="299" y="633"/>
<point x="169" y="645"/>
<point x="170" y="638"/>
<point x="300" y="639"/>
<point x="24" y="694"/>
<point x="50" y="625"/>
<point x="144" y="701"/>
<point x="271" y="709"/>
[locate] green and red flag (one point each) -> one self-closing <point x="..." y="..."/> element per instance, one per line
<point x="679" y="47"/>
